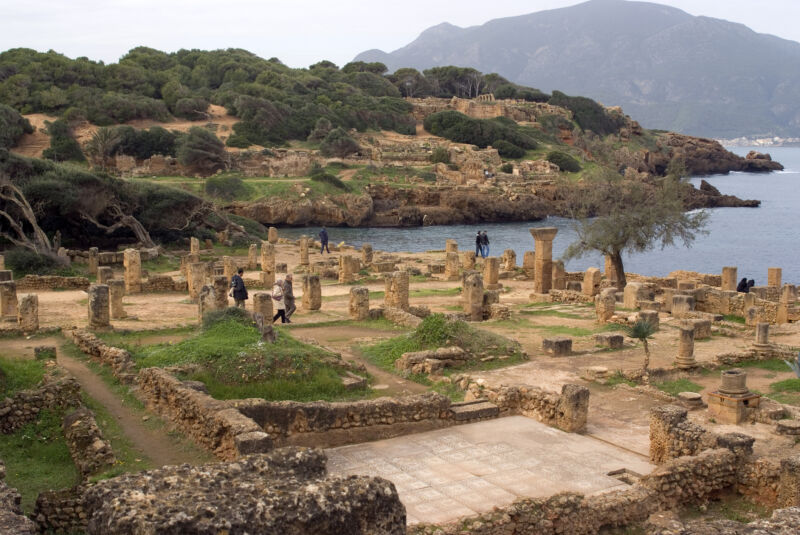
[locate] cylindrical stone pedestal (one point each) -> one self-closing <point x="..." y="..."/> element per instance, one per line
<point x="729" y="276"/>
<point x="272" y="235"/>
<point x="491" y="272"/>
<point x="116" y="290"/>
<point x="28" y="313"/>
<point x="221" y="289"/>
<point x="205" y="301"/>
<point x="132" y="261"/>
<point x="605" y="304"/>
<point x="194" y="246"/>
<point x="268" y="258"/>
<point x="359" y="303"/>
<point x="762" y="334"/>
<point x="685" y="349"/>
<point x="98" y="306"/>
<point x="509" y="260"/>
<point x="734" y="382"/>
<point x="195" y="278"/>
<point x="262" y="304"/>
<point x="312" y="292"/>
<point x="303" y="245"/>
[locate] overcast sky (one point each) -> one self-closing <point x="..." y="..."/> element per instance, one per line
<point x="298" y="32"/>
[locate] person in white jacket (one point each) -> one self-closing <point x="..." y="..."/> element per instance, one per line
<point x="280" y="305"/>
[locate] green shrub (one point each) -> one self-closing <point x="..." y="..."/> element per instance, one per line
<point x="226" y="187"/>
<point x="12" y="126"/>
<point x="63" y="147"/>
<point x="458" y="127"/>
<point x="238" y="141"/>
<point x="339" y="144"/>
<point x="193" y="109"/>
<point x="19" y="374"/>
<point x="214" y="317"/>
<point x="589" y="114"/>
<point x="327" y="178"/>
<point x="253" y="228"/>
<point x="142" y="144"/>
<point x="440" y="155"/>
<point x="24" y="261"/>
<point x="507" y="168"/>
<point x="201" y="149"/>
<point x="564" y="161"/>
<point x="508" y="150"/>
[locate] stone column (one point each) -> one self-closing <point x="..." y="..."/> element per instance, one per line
<point x="762" y="334"/>
<point x="228" y="267"/>
<point x="774" y="277"/>
<point x="472" y="297"/>
<point x="468" y="259"/>
<point x="610" y="271"/>
<point x="685" y="358"/>
<point x="116" y="291"/>
<point x="99" y="316"/>
<point x="366" y="254"/>
<point x="543" y="276"/>
<point x="591" y="281"/>
<point x="272" y="235"/>
<point x="195" y="278"/>
<point x="559" y="275"/>
<point x="205" y="301"/>
<point x="510" y="260"/>
<point x="94" y="260"/>
<point x="604" y="305"/>
<point x="529" y="263"/>
<point x="303" y="244"/>
<point x="8" y="299"/>
<point x="2" y="262"/>
<point x="104" y="274"/>
<point x="262" y="304"/>
<point x="221" y="289"/>
<point x="267" y="264"/>
<point x="359" y="303"/>
<point x="630" y="294"/>
<point x="133" y="271"/>
<point x="347" y="263"/>
<point x="729" y="276"/>
<point x="451" y="266"/>
<point x="6" y="275"/>
<point x="491" y="273"/>
<point x="194" y="246"/>
<point x="312" y="292"/>
<point x="396" y="295"/>
<point x="28" y="313"/>
<point x="252" y="257"/>
<point x="451" y="246"/>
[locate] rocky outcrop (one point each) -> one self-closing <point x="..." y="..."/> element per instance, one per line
<point x="704" y="157"/>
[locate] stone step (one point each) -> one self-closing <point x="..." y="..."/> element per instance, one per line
<point x="474" y="410"/>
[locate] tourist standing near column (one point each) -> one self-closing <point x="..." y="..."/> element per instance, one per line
<point x="280" y="305"/>
<point x="484" y="244"/>
<point x="238" y="290"/>
<point x="478" y="247"/>
<point x="323" y="241"/>
<point x="288" y="297"/>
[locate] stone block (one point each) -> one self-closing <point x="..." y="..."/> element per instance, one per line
<point x="609" y="340"/>
<point x="559" y="275"/>
<point x="8" y="299"/>
<point x="132" y="262"/>
<point x="262" y="304"/>
<point x="774" y="275"/>
<point x="396" y="294"/>
<point x="104" y="274"/>
<point x="682" y="305"/>
<point x="574" y="286"/>
<point x="98" y="306"/>
<point x="559" y="346"/>
<point x="116" y="291"/>
<point x="591" y="281"/>
<point x="729" y="279"/>
<point x="702" y="327"/>
<point x="472" y="296"/>
<point x="272" y="235"/>
<point x="28" y="313"/>
<point x="359" y="303"/>
<point x="312" y="292"/>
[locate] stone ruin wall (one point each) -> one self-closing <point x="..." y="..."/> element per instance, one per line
<point x="51" y="282"/>
<point x="87" y="447"/>
<point x="12" y="519"/>
<point x="119" y="360"/>
<point x="518" y="110"/>
<point x="164" y="283"/>
<point x="109" y="258"/>
<point x="24" y="406"/>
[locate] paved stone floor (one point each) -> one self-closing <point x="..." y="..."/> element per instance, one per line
<point x="464" y="470"/>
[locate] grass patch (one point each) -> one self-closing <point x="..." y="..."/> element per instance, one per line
<point x="37" y="458"/>
<point x="677" y="386"/>
<point x="19" y="374"/>
<point x="733" y="318"/>
<point x="450" y="390"/>
<point x="788" y="385"/>
<point x="554" y="313"/>
<point x="432" y="292"/>
<point x="130" y="339"/>
<point x="775" y="365"/>
<point x="618" y="379"/>
<point x="162" y="264"/>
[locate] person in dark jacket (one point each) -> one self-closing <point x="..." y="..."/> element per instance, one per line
<point x="484" y="244"/>
<point x="323" y="240"/>
<point x="238" y="290"/>
<point x="750" y="284"/>
<point x="478" y="247"/>
<point x="742" y="286"/>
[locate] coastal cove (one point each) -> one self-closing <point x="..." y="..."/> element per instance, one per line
<point x="751" y="238"/>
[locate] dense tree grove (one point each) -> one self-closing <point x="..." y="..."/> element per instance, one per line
<point x="12" y="126"/>
<point x="460" y="128"/>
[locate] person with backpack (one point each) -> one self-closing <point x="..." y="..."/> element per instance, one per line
<point x="238" y="289"/>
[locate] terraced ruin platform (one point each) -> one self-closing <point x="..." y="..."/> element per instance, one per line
<point x="460" y="471"/>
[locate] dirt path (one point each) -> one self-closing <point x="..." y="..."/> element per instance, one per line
<point x="154" y="444"/>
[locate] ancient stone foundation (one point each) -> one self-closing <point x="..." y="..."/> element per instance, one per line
<point x="24" y="406"/>
<point x="133" y="271"/>
<point x="89" y="450"/>
<point x="359" y="303"/>
<point x="98" y="306"/>
<point x="12" y="519"/>
<point x="116" y="291"/>
<point x="262" y="304"/>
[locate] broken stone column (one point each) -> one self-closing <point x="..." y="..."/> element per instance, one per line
<point x="99" y="316"/>
<point x="62" y="253"/>
<point x="133" y="271"/>
<point x="604" y="305"/>
<point x="104" y="274"/>
<point x="774" y="275"/>
<point x="762" y="334"/>
<point x="685" y="358"/>
<point x="28" y="313"/>
<point x="252" y="257"/>
<point x="116" y="291"/>
<point x="468" y="260"/>
<point x="205" y="301"/>
<point x="559" y="275"/>
<point x="303" y="245"/>
<point x="272" y="235"/>
<point x="491" y="273"/>
<point x="472" y="297"/>
<point x="195" y="278"/>
<point x="194" y="246"/>
<point x="591" y="281"/>
<point x="451" y="266"/>
<point x="729" y="278"/>
<point x="8" y="299"/>
<point x="543" y="276"/>
<point x="610" y="270"/>
<point x="359" y="303"/>
<point x="228" y="267"/>
<point x="650" y="316"/>
<point x="267" y="264"/>
<point x="630" y="295"/>
<point x="312" y="292"/>
<point x="451" y="246"/>
<point x="366" y="254"/>
<point x="787" y="301"/>
<point x="529" y="264"/>
<point x="509" y="260"/>
<point x="262" y="304"/>
<point x="221" y="288"/>
<point x="396" y="295"/>
<point x="682" y="305"/>
<point x="348" y="267"/>
<point x="94" y="260"/>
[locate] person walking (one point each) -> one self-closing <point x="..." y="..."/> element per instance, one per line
<point x="478" y="247"/>
<point x="742" y="286"/>
<point x="484" y="244"/>
<point x="280" y="304"/>
<point x="238" y="289"/>
<point x="323" y="241"/>
<point x="288" y="297"/>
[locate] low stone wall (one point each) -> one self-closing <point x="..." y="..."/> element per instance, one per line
<point x="61" y="511"/>
<point x="782" y="522"/>
<point x="213" y="424"/>
<point x="25" y="405"/>
<point x="51" y="282"/>
<point x="108" y="258"/>
<point x="89" y="450"/>
<point x="119" y="360"/>
<point x="12" y="520"/>
<point x="570" y="297"/>
<point x="164" y="283"/>
<point x="672" y="435"/>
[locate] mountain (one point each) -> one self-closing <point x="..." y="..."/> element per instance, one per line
<point x="669" y="69"/>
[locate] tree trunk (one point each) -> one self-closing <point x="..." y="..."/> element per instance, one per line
<point x="616" y="260"/>
<point x="646" y="356"/>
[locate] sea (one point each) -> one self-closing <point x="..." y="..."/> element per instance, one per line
<point x="753" y="239"/>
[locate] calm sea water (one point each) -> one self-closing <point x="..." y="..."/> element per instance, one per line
<point x="751" y="238"/>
